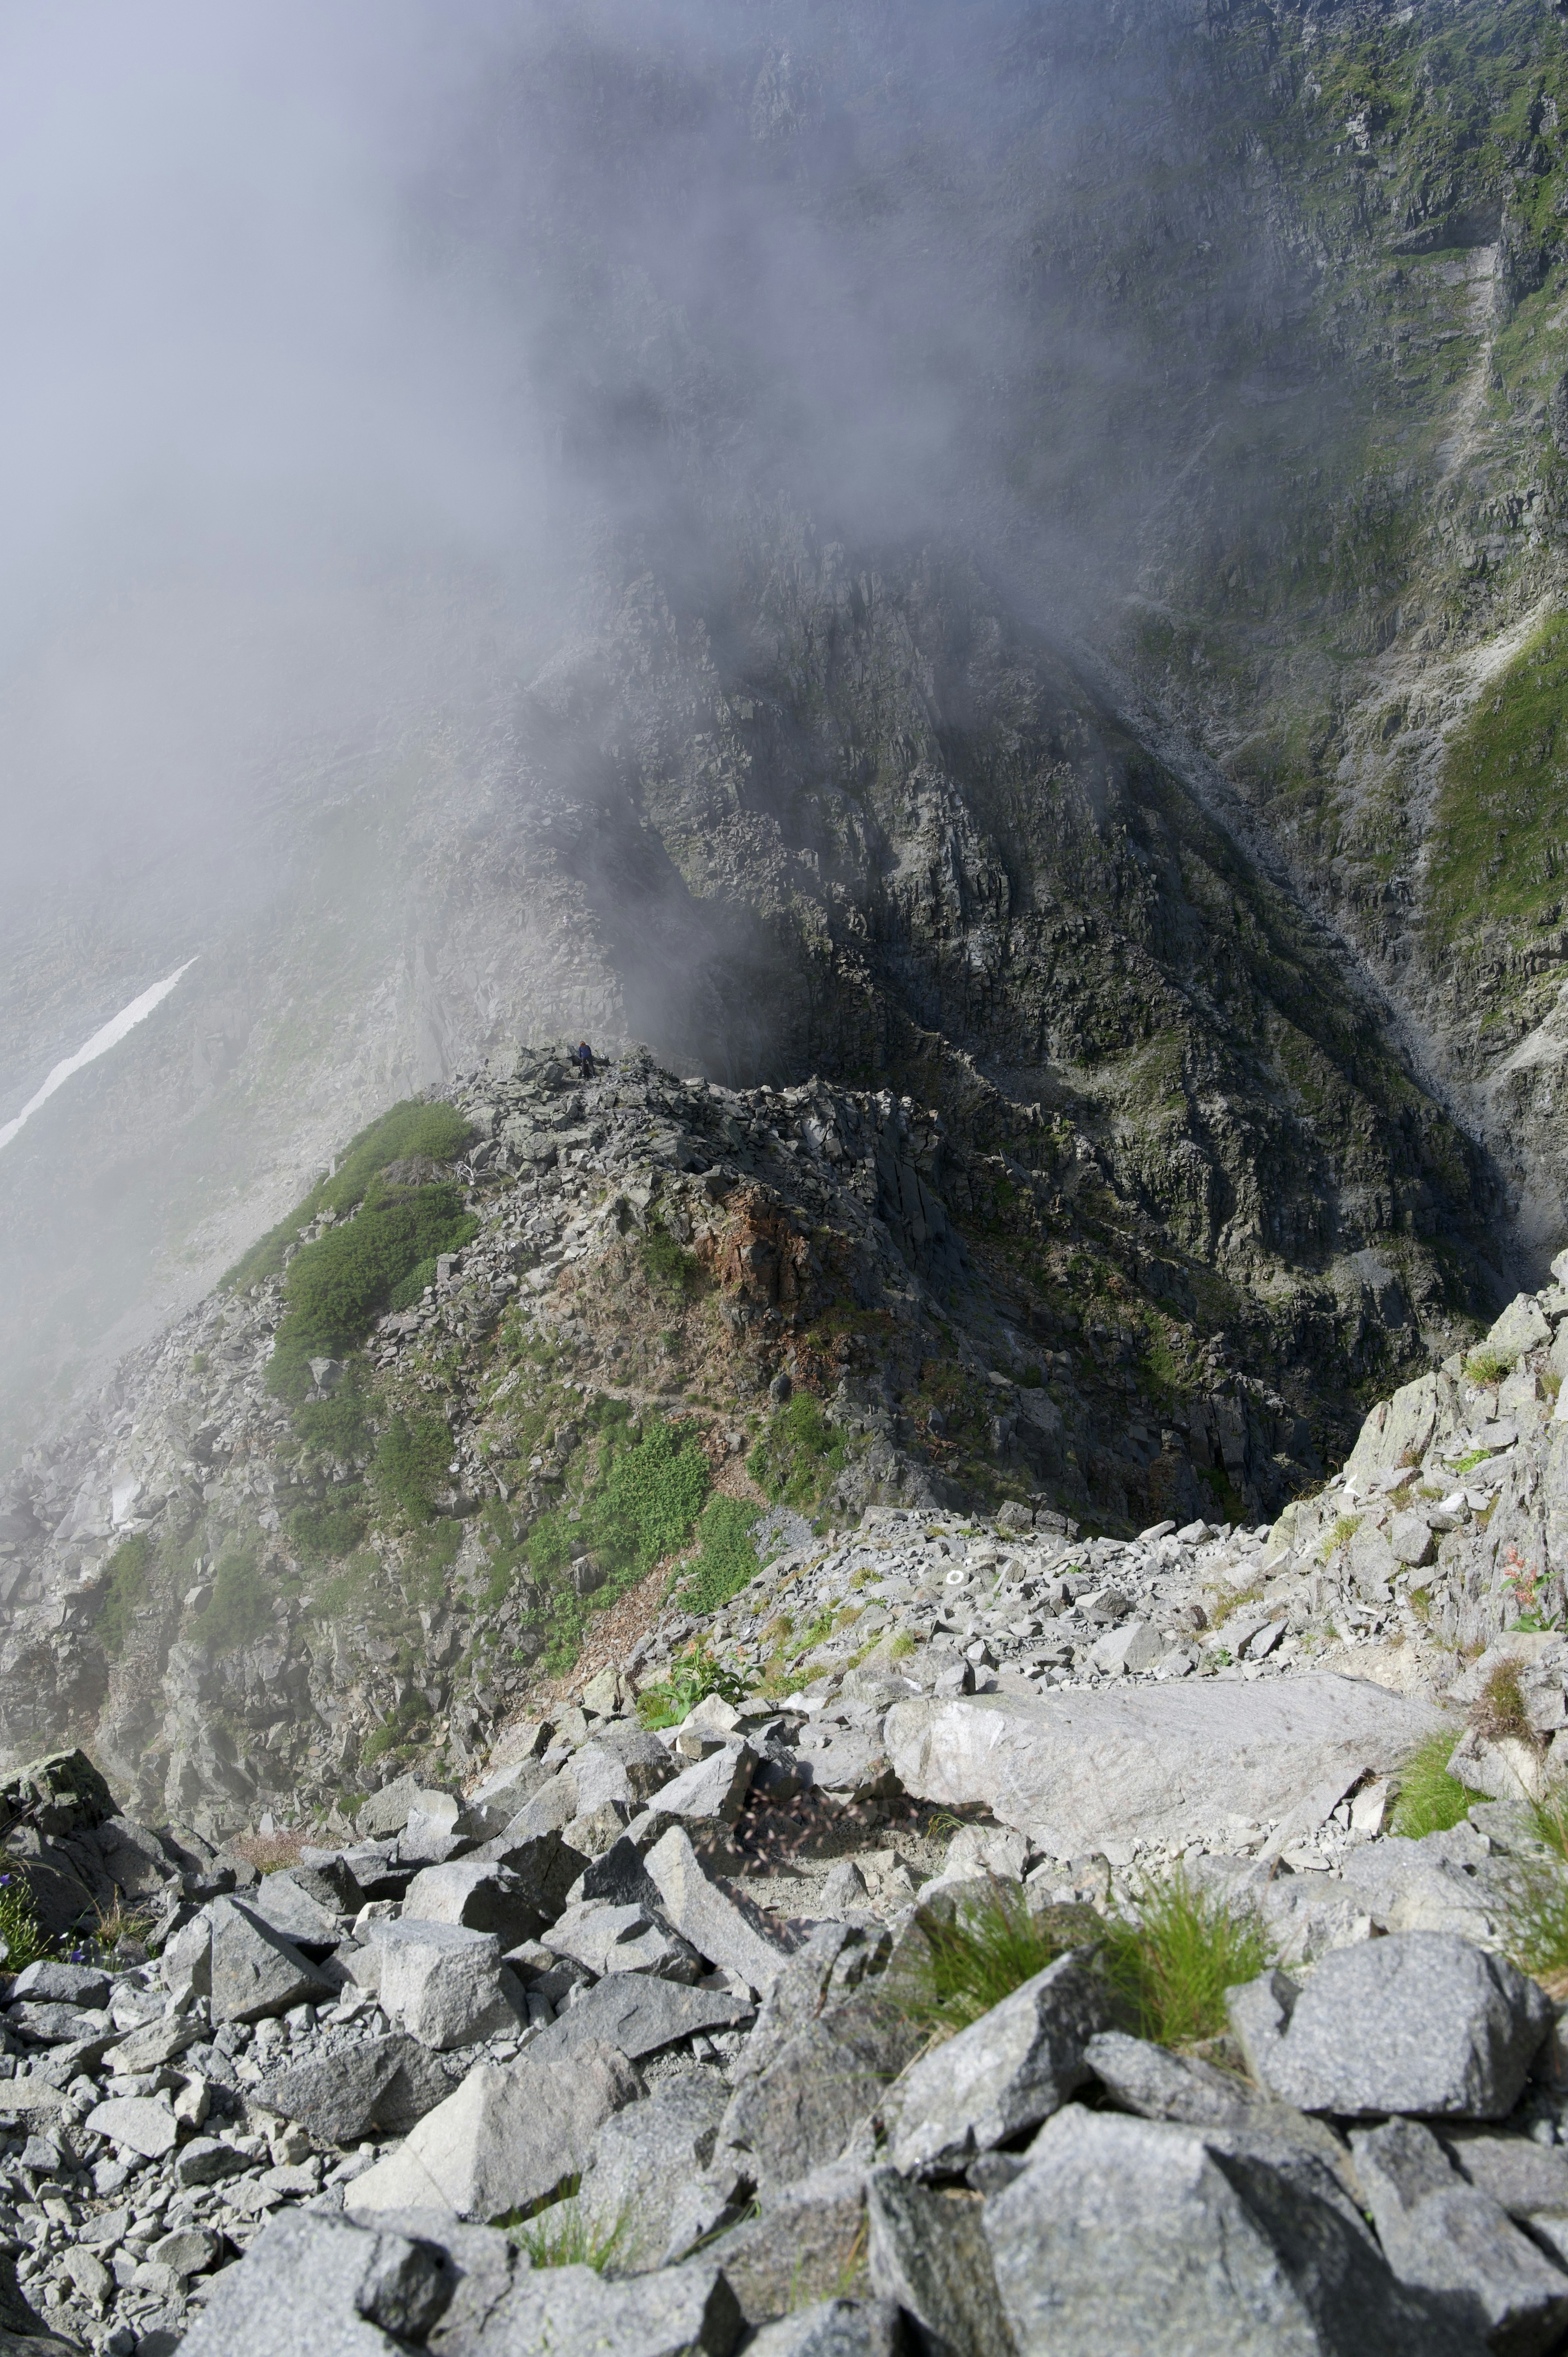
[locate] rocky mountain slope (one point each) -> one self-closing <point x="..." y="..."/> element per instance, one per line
<point x="1136" y="754"/>
<point x="652" y="1988"/>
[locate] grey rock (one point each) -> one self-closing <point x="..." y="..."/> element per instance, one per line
<point x="606" y="1939"/>
<point x="638" y="2013"/>
<point x="1075" y="1770"/>
<point x="1005" y="2073"/>
<point x="205" y="2160"/>
<point x="1130" y="2234"/>
<point x="833" y="2327"/>
<point x="619" y="1877"/>
<point x="797" y="2112"/>
<point x="624" y="1764"/>
<point x="322" y="2284"/>
<point x="185" y="1967"/>
<point x="279" y="1901"/>
<point x="711" y="1792"/>
<point x="499" y="1798"/>
<point x="481" y="1896"/>
<point x="718" y="1922"/>
<point x="506" y="2139"/>
<point x="154" y="2044"/>
<point x="480" y="2264"/>
<point x="643" y="2158"/>
<point x="1419" y="2022"/>
<point x="445" y="1983"/>
<point x="830" y="1964"/>
<point x="1448" y="2236"/>
<point x="929" y="2252"/>
<point x="54" y="2025"/>
<point x="386" y="1811"/>
<point x="1527" y="2178"/>
<point x="137" y="2123"/>
<point x="1190" y="2092"/>
<point x="49" y="1982"/>
<point x="1412" y="1540"/>
<point x="255" y="1971"/>
<point x="375" y="2082"/>
<point x="808" y="2243"/>
<point x="687" y="2311"/>
<point x="1160" y="2085"/>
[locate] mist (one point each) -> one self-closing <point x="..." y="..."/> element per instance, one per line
<point x="369" y="365"/>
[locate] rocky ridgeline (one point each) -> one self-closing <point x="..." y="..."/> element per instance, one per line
<point x="819" y="1244"/>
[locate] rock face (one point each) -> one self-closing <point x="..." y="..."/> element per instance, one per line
<point x="1076" y="1771"/>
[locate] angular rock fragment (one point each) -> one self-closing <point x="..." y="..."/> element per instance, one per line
<point x="323" y="2285"/>
<point x="1124" y="2233"/>
<point x="279" y="1901"/>
<point x="1420" y="2022"/>
<point x="1075" y="1770"/>
<point x="507" y="2137"/>
<point x="719" y="1923"/>
<point x="638" y="2013"/>
<point x="686" y="2311"/>
<point x="481" y="1896"/>
<point x="444" y="1984"/>
<point x="139" y="2123"/>
<point x="643" y="2158"/>
<point x="1447" y="2236"/>
<point x="1005" y="2073"/>
<point x="833" y="2327"/>
<point x="606" y="1939"/>
<point x="929" y="2252"/>
<point x="340" y="2096"/>
<point x="799" y="2111"/>
<point x="808" y="2243"/>
<point x="254" y="1970"/>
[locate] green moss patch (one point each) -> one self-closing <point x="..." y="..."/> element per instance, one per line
<point x="1501" y="821"/>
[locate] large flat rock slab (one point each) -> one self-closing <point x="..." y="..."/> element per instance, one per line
<point x="1169" y="1764"/>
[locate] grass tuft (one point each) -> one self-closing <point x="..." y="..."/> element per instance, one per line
<point x="1430" y="1800"/>
<point x="20" y="1926"/>
<point x="1174" y="1964"/>
<point x="1500" y="1713"/>
<point x="990" y="1946"/>
<point x="565" y="2235"/>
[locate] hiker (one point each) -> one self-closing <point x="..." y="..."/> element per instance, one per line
<point x="584" y="1059"/>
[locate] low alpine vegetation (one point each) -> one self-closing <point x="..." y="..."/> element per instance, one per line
<point x="1430" y="1800"/>
<point x="1175" y="1960"/>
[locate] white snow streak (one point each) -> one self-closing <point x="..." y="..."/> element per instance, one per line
<point x="100" y="1043"/>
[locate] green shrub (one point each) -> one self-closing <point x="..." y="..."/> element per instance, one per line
<point x="412" y="1289"/>
<point x="1174" y="1964"/>
<point x="339" y="1427"/>
<point x="1430" y="1800"/>
<point x="992" y="1944"/>
<point x="799" y="1454"/>
<point x="240" y="1609"/>
<point x="338" y="1285"/>
<point x="669" y="1268"/>
<point x="642" y="1507"/>
<point x="694" y="1675"/>
<point x="19" y="1927"/>
<point x="433" y="1133"/>
<point x="430" y="1557"/>
<point x="326" y="1529"/>
<point x="412" y="1461"/>
<point x="123" y="1591"/>
<point x="727" y="1560"/>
